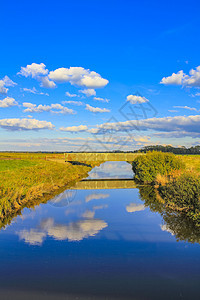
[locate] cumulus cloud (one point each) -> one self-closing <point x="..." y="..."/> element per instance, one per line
<point x="77" y="103"/>
<point x="8" y="102"/>
<point x="39" y="72"/>
<point x="88" y="92"/>
<point x="71" y="95"/>
<point x="34" y="70"/>
<point x="45" y="82"/>
<point x="4" y="83"/>
<point x="174" y="79"/>
<point x="24" y="124"/>
<point x="78" y="76"/>
<point x="54" y="108"/>
<point x="133" y="99"/>
<point x="168" y="124"/>
<point x="101" y="99"/>
<point x="180" y="78"/>
<point x="133" y="207"/>
<point x="96" y="109"/>
<point x="74" y="128"/>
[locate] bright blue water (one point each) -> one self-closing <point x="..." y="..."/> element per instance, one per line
<point x="96" y="244"/>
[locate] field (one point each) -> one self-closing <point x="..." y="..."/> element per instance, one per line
<point x="28" y="179"/>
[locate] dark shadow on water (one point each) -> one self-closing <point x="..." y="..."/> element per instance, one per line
<point x="77" y="163"/>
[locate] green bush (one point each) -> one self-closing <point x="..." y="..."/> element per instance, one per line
<point x="147" y="167"/>
<point x="184" y="192"/>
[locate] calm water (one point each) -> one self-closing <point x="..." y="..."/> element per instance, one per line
<point x="100" y="244"/>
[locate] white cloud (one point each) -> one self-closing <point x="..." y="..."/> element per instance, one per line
<point x="196" y="95"/>
<point x="133" y="207"/>
<point x="34" y="91"/>
<point x="78" y="103"/>
<point x="186" y="107"/>
<point x="166" y="228"/>
<point x="3" y="89"/>
<point x="168" y="124"/>
<point x="133" y="99"/>
<point x="172" y="110"/>
<point x="32" y="237"/>
<point x="88" y="214"/>
<point x="8" y="102"/>
<point x="54" y="108"/>
<point x="8" y="81"/>
<point x="39" y="72"/>
<point x="45" y="82"/>
<point x="78" y="76"/>
<point x="96" y="196"/>
<point x="71" y="95"/>
<point x="96" y="109"/>
<point x="75" y="231"/>
<point x="101" y="99"/>
<point x="74" y="128"/>
<point x="180" y="78"/>
<point x="174" y="79"/>
<point x="24" y="124"/>
<point x="34" y="70"/>
<point x="88" y="92"/>
<point x="194" y="78"/>
<point x="4" y="83"/>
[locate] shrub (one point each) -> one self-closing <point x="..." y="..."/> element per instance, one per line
<point x="183" y="192"/>
<point x="147" y="167"/>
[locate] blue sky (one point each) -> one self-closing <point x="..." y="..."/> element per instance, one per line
<point x="89" y="75"/>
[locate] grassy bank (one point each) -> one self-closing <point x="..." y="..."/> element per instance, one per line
<point x="26" y="180"/>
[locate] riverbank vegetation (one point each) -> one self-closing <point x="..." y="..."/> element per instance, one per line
<point x="175" y="178"/>
<point x="26" y="179"/>
<point x="153" y="164"/>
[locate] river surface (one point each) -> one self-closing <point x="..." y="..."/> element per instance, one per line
<point x="108" y="242"/>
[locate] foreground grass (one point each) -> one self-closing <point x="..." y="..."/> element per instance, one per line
<point x="26" y="181"/>
<point x="15" y="164"/>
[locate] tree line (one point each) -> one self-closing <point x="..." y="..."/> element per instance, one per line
<point x="175" y="150"/>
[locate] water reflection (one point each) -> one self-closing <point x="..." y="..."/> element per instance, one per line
<point x="96" y="196"/>
<point x="133" y="207"/>
<point x="64" y="199"/>
<point x="114" y="170"/>
<point x="74" y="231"/>
<point x="175" y="222"/>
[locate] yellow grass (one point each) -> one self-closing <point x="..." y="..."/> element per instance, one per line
<point x="192" y="162"/>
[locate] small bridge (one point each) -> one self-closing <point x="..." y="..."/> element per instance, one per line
<point x="101" y="184"/>
<point x="96" y="156"/>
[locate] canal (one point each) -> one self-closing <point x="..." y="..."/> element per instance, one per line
<point x="104" y="238"/>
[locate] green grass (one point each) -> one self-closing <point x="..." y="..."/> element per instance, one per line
<point x="15" y="164"/>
